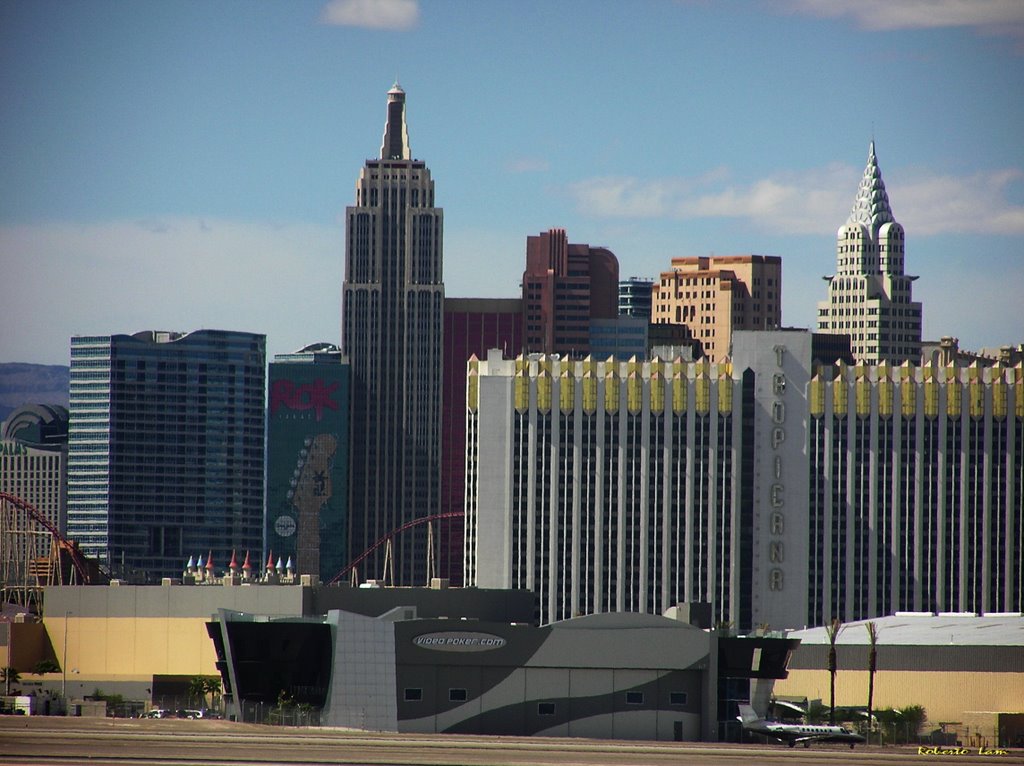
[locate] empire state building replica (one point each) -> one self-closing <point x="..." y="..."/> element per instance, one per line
<point x="392" y="334"/>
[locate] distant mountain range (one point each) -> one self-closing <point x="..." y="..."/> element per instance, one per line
<point x="32" y="384"/>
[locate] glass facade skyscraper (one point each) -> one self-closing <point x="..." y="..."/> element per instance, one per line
<point x="166" y="448"/>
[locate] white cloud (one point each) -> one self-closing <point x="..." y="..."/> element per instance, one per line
<point x="992" y="17"/>
<point x="914" y="14"/>
<point x="975" y="204"/>
<point x="64" y="279"/>
<point x="815" y="201"/>
<point x="372" y="14"/>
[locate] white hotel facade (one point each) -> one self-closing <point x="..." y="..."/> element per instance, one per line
<point x="781" y="491"/>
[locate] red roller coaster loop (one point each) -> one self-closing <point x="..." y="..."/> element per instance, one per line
<point x="384" y="538"/>
<point x="77" y="560"/>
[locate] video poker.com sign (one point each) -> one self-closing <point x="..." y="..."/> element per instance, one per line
<point x="459" y="641"/>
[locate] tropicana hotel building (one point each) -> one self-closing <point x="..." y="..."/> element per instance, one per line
<point x="783" y="490"/>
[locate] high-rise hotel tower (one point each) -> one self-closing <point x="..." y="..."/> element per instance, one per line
<point x="777" y="486"/>
<point x="392" y="334"/>
<point x="166" y="448"/>
<point x="869" y="296"/>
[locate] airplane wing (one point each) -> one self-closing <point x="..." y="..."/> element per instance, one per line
<point x="812" y="738"/>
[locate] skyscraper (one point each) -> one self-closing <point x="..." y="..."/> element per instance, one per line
<point x="33" y="468"/>
<point x="165" y="448"/>
<point x="869" y="296"/>
<point x="717" y="295"/>
<point x="471" y="326"/>
<point x="780" y="489"/>
<point x="607" y="486"/>
<point x="565" y="286"/>
<point x="392" y="334"/>
<point x="635" y="297"/>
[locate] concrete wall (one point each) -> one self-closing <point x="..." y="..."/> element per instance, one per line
<point x="489" y="517"/>
<point x="362" y="693"/>
<point x="177" y="601"/>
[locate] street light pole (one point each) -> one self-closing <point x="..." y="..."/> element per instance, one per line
<point x="64" y="663"/>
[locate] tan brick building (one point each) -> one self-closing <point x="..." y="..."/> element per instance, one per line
<point x="716" y="295"/>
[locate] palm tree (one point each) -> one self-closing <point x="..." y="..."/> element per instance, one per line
<point x="832" y="631"/>
<point x="45" y="666"/>
<point x="9" y="676"/>
<point x="872" y="663"/>
<point x="197" y="690"/>
<point x="213" y="689"/>
<point x="201" y="686"/>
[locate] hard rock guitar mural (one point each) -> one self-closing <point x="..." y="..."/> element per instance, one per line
<point x="312" y="490"/>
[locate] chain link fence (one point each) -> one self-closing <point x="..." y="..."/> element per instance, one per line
<point x="280" y="715"/>
<point x="957" y="735"/>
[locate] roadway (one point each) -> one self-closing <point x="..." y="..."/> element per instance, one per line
<point x="42" y="741"/>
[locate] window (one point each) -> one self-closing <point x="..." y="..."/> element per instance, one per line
<point x="677" y="698"/>
<point x="634" y="698"/>
<point x="457" y="695"/>
<point x="545" y="708"/>
<point x="413" y="695"/>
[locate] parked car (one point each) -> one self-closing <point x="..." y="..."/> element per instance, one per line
<point x="157" y="712"/>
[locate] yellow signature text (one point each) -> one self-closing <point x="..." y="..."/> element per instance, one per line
<point x="961" y="751"/>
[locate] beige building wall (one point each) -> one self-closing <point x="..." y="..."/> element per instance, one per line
<point x="717" y="295"/>
<point x="131" y="648"/>
<point x="945" y="695"/>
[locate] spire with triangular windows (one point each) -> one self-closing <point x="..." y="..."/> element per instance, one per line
<point x="871" y="207"/>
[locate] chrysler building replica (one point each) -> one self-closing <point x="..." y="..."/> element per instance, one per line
<point x="869" y="296"/>
<point x="392" y="325"/>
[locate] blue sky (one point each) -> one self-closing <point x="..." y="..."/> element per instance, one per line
<point x="178" y="165"/>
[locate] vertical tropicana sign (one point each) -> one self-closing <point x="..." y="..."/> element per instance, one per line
<point x="782" y="360"/>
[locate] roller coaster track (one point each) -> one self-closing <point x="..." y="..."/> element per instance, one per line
<point x="20" y="525"/>
<point x="386" y="538"/>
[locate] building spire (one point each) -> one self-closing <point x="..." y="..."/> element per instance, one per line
<point x="871" y="207"/>
<point x="396" y="135"/>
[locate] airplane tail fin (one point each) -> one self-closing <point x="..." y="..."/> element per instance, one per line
<point x="747" y="715"/>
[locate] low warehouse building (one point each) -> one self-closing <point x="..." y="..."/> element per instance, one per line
<point x="146" y="642"/>
<point x="614" y="675"/>
<point x="966" y="670"/>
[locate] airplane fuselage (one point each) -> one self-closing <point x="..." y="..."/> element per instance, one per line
<point x="792" y="734"/>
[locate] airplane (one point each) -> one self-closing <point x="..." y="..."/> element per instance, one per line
<point x="792" y="733"/>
